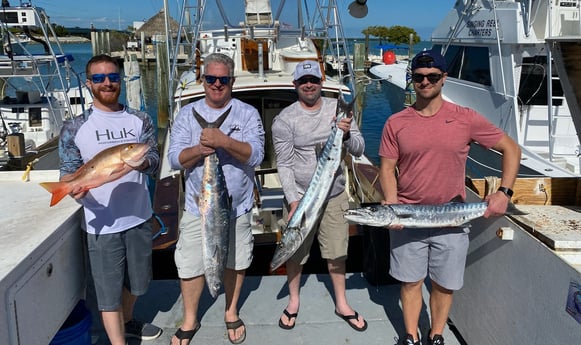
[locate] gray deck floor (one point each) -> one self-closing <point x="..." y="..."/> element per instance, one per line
<point x="262" y="302"/>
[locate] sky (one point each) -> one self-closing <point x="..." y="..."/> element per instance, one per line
<point x="420" y="15"/>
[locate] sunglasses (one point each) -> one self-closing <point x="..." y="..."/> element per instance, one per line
<point x="432" y="77"/>
<point x="211" y="79"/>
<point x="312" y="80"/>
<point x="100" y="78"/>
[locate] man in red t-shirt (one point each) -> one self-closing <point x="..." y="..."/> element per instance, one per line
<point x="428" y="143"/>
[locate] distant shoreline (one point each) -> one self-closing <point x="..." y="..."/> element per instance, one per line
<point x="68" y="39"/>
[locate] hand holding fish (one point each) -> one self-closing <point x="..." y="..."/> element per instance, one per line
<point x="345" y="125"/>
<point x="205" y="150"/>
<point x="214" y="138"/>
<point x="497" y="204"/>
<point x="78" y="192"/>
<point x="292" y="208"/>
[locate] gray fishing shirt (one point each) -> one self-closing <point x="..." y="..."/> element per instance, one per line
<point x="296" y="133"/>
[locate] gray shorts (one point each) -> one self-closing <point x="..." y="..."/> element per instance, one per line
<point x="188" y="253"/>
<point x="439" y="252"/>
<point x="120" y="260"/>
<point x="332" y="232"/>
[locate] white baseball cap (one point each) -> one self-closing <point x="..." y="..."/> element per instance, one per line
<point x="307" y="67"/>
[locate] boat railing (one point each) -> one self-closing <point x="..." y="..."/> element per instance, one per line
<point x="52" y="65"/>
<point x="564" y="26"/>
<point x="324" y="24"/>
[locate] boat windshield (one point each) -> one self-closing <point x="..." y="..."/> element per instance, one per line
<point x="468" y="63"/>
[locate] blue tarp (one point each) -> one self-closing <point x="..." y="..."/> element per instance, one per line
<point x="389" y="47"/>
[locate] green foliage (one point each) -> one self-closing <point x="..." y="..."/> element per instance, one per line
<point x="380" y="32"/>
<point x="401" y="34"/>
<point x="60" y="30"/>
<point x="395" y="34"/>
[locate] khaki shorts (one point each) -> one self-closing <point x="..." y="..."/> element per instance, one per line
<point x="332" y="232"/>
<point x="188" y="253"/>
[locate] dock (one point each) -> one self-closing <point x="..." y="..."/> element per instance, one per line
<point x="262" y="301"/>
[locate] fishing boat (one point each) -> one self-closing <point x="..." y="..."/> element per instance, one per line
<point x="39" y="90"/>
<point x="515" y="63"/>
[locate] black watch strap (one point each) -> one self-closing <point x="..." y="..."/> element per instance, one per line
<point x="506" y="191"/>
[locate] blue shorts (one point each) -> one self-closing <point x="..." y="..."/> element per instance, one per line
<point x="188" y="253"/>
<point x="120" y="260"/>
<point x="439" y="252"/>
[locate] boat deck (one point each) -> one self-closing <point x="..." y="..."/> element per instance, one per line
<point x="262" y="302"/>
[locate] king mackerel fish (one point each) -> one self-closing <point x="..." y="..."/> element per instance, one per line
<point x="214" y="203"/>
<point x="310" y="206"/>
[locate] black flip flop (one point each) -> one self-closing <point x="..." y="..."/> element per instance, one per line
<point x="186" y="335"/>
<point x="355" y="316"/>
<point x="290" y="317"/>
<point x="235" y="325"/>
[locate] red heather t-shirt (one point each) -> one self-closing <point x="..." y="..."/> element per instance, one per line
<point x="432" y="151"/>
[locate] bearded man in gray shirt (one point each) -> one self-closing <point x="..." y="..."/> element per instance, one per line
<point x="296" y="131"/>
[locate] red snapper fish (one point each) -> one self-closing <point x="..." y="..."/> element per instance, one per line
<point x="105" y="167"/>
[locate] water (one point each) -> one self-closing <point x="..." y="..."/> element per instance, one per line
<point x="376" y="102"/>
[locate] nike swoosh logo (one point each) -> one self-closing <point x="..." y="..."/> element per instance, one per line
<point x="448" y="121"/>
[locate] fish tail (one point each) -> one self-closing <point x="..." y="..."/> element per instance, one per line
<point x="512" y="210"/>
<point x="58" y="190"/>
<point x="345" y="106"/>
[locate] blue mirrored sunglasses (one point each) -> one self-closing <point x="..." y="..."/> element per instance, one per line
<point x="211" y="79"/>
<point x="100" y="78"/>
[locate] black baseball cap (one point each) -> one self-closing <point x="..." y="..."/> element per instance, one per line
<point x="429" y="59"/>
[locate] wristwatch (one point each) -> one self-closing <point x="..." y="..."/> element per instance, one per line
<point x="506" y="191"/>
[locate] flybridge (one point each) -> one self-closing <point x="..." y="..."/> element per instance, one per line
<point x="19" y="16"/>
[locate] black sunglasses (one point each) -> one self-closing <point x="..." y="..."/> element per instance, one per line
<point x="312" y="80"/>
<point x="211" y="79"/>
<point x="100" y="78"/>
<point x="432" y="77"/>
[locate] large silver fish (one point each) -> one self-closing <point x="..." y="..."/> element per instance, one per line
<point x="214" y="203"/>
<point x="310" y="206"/>
<point x="451" y="214"/>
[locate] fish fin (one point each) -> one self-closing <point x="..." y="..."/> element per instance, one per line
<point x="318" y="149"/>
<point x="457" y="199"/>
<point x="405" y="215"/>
<point x="344" y="106"/>
<point x="513" y="211"/>
<point x="58" y="190"/>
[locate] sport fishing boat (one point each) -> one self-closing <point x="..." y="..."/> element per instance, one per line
<point x="39" y="89"/>
<point x="516" y="63"/>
